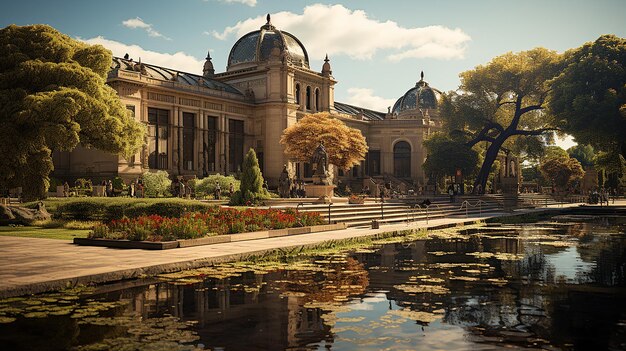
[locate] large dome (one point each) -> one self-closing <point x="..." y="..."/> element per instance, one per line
<point x="422" y="96"/>
<point x="265" y="44"/>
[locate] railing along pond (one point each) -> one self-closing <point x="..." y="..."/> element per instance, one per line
<point x="467" y="204"/>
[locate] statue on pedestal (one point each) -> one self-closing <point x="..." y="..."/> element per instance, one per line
<point x="320" y="159"/>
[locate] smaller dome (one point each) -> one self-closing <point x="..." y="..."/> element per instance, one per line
<point x="422" y="96"/>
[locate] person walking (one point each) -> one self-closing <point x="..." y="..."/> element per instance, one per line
<point x="451" y="192"/>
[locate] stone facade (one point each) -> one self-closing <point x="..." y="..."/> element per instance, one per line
<point x="204" y="124"/>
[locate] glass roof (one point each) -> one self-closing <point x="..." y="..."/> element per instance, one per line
<point x="163" y="73"/>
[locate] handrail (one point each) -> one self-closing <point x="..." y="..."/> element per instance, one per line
<point x="313" y="203"/>
<point x="467" y="204"/>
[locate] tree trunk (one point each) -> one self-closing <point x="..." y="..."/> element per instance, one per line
<point x="490" y="158"/>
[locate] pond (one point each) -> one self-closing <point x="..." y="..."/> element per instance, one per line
<point x="550" y="285"/>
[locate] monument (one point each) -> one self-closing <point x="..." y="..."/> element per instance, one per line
<point x="322" y="187"/>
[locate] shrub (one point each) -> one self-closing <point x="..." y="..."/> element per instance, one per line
<point x="205" y="187"/>
<point x="104" y="210"/>
<point x="118" y="184"/>
<point x="157" y="184"/>
<point x="54" y="182"/>
<point x="251" y="191"/>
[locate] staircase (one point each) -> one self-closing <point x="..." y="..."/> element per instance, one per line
<point x="399" y="210"/>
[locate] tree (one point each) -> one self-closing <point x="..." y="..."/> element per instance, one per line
<point x="346" y="147"/>
<point x="612" y="168"/>
<point x="583" y="153"/>
<point x="53" y="96"/>
<point x="503" y="99"/>
<point x="562" y="171"/>
<point x="157" y="184"/>
<point x="589" y="96"/>
<point x="251" y="189"/>
<point x="445" y="156"/>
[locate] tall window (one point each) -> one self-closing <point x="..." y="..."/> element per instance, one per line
<point x="402" y="160"/>
<point x="208" y="146"/>
<point x="373" y="163"/>
<point x="317" y="99"/>
<point x="298" y="94"/>
<point x="189" y="125"/>
<point x="157" y="137"/>
<point x="235" y="145"/>
<point x="308" y="98"/>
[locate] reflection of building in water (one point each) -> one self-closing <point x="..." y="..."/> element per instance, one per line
<point x="267" y="309"/>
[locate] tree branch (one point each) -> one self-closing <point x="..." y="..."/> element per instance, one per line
<point x="534" y="132"/>
<point x="530" y="108"/>
<point x="482" y="135"/>
<point x="500" y="104"/>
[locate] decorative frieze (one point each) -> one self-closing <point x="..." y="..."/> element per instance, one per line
<point x="161" y="97"/>
<point x="189" y="102"/>
<point x="236" y="109"/>
<point x="212" y="106"/>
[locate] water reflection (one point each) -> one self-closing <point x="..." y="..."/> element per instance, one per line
<point x="551" y="285"/>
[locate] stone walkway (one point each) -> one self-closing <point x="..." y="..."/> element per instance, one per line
<point x="31" y="265"/>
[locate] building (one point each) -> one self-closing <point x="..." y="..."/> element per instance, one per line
<point x="203" y="124"/>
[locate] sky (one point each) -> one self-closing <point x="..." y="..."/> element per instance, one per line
<point x="377" y="49"/>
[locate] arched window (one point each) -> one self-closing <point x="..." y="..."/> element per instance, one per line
<point x="317" y="99"/>
<point x="298" y="94"/>
<point x="402" y="160"/>
<point x="308" y="98"/>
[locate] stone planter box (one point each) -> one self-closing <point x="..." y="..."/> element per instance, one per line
<point x="356" y="201"/>
<point x="217" y="239"/>
<point x="127" y="244"/>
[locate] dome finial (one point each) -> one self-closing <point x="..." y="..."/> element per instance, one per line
<point x="268" y="19"/>
<point x="422" y="75"/>
<point x="208" y="55"/>
<point x="326" y="59"/>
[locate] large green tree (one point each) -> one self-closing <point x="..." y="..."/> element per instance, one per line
<point x="502" y="100"/>
<point x="583" y="153"/>
<point x="53" y="96"/>
<point x="445" y="156"/>
<point x="589" y="96"/>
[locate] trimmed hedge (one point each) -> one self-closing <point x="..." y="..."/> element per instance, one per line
<point x="103" y="211"/>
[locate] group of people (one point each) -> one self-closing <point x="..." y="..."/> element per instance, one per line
<point x="181" y="188"/>
<point x="217" y="191"/>
<point x="601" y="196"/>
<point x="288" y="187"/>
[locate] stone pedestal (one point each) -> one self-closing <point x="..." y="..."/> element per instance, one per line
<point x="510" y="185"/>
<point x="314" y="190"/>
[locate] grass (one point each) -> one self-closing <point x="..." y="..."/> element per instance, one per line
<point x="45" y="233"/>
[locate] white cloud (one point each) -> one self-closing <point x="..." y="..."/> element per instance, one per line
<point x="139" y="23"/>
<point x="364" y="97"/>
<point x="251" y="3"/>
<point x="337" y="30"/>
<point x="565" y="142"/>
<point x="179" y="60"/>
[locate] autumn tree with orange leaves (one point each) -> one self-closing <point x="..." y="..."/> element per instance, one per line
<point x="346" y="147"/>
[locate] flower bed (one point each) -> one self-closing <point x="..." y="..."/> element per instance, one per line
<point x="214" y="221"/>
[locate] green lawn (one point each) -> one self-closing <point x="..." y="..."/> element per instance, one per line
<point x="47" y="233"/>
